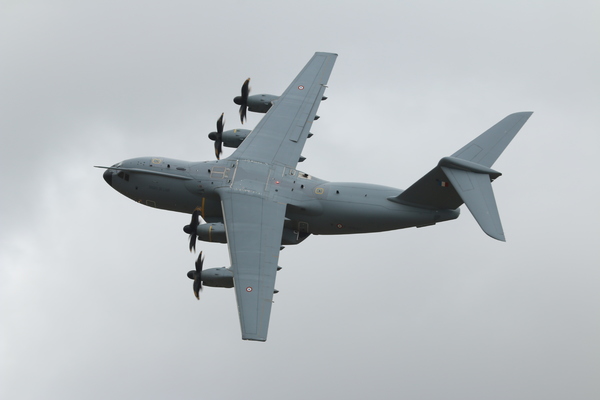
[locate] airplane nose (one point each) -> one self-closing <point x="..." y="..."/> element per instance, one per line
<point x="108" y="176"/>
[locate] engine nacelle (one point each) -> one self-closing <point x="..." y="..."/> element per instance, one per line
<point x="217" y="277"/>
<point x="231" y="138"/>
<point x="212" y="233"/>
<point x="235" y="137"/>
<point x="259" y="103"/>
<point x="215" y="233"/>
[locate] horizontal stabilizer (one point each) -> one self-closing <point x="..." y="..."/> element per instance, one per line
<point x="475" y="189"/>
<point x="487" y="147"/>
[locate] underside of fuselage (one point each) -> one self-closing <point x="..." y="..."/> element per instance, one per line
<point x="314" y="206"/>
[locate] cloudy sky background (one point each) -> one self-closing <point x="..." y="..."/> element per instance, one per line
<point x="94" y="301"/>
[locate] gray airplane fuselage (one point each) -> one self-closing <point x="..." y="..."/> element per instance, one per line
<point x="314" y="206"/>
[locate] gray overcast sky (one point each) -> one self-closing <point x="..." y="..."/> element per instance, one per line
<point x="94" y="301"/>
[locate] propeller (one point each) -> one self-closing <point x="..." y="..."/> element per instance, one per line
<point x="218" y="137"/>
<point x="192" y="229"/>
<point x="243" y="99"/>
<point x="196" y="276"/>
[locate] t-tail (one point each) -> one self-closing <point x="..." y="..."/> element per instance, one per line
<point x="466" y="177"/>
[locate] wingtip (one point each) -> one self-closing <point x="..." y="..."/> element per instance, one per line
<point x="327" y="53"/>
<point x="523" y="114"/>
<point x="499" y="236"/>
<point x="254" y="339"/>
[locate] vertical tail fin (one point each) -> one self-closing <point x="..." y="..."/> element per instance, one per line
<point x="466" y="177"/>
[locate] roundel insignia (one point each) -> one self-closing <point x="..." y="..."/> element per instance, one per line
<point x="340" y="226"/>
<point x="319" y="190"/>
<point x="249" y="289"/>
<point x="301" y="87"/>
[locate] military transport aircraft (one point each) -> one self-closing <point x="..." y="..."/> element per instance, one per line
<point x="256" y="200"/>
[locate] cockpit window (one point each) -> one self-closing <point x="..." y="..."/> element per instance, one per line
<point x="123" y="175"/>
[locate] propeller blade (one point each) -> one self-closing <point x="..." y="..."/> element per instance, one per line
<point x="243" y="100"/>
<point x="199" y="263"/>
<point x="219" y="137"/>
<point x="197" y="288"/>
<point x="243" y="113"/>
<point x="220" y="124"/>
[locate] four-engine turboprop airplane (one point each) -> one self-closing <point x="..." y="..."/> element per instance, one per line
<point x="256" y="200"/>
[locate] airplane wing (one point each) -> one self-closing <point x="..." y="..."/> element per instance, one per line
<point x="254" y="227"/>
<point x="280" y="136"/>
<point x="253" y="212"/>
